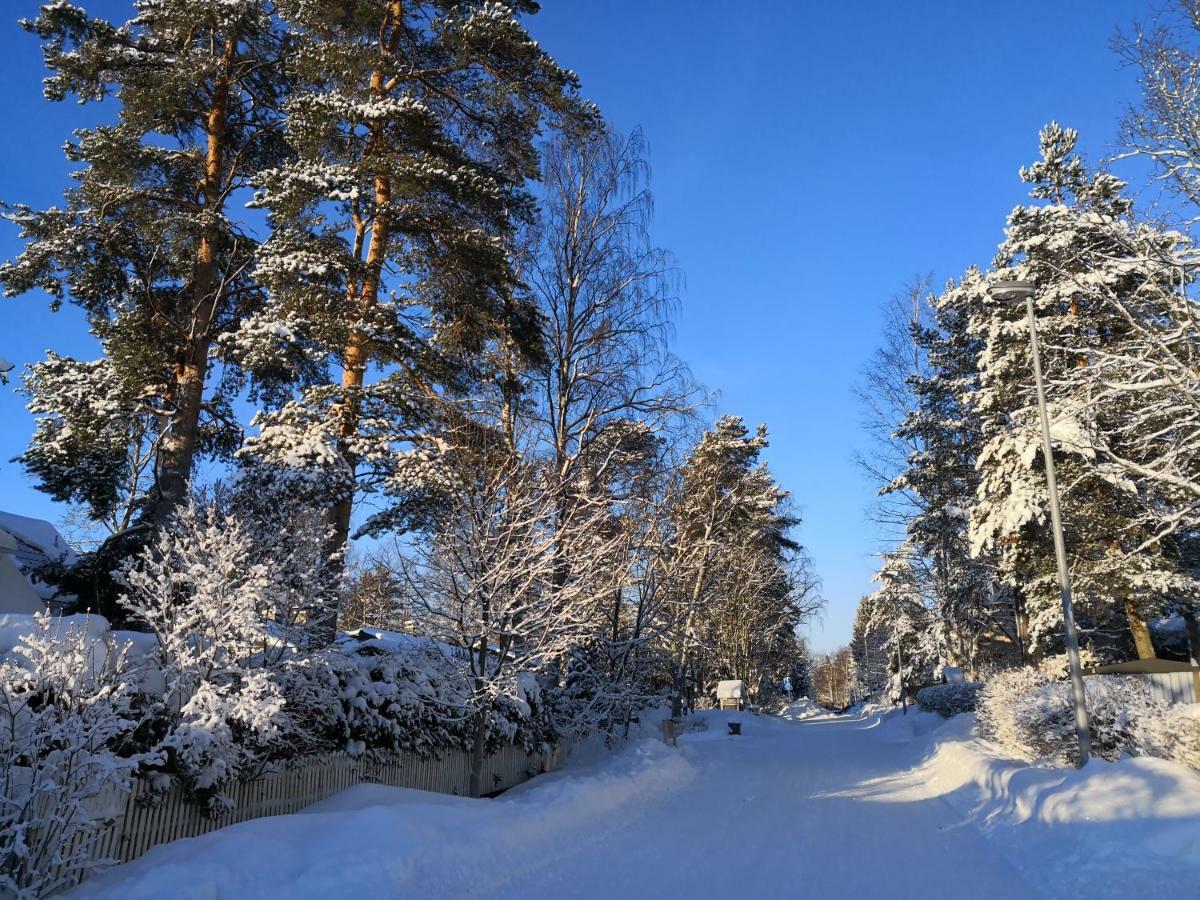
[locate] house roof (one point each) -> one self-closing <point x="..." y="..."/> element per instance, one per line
<point x="37" y="541"/>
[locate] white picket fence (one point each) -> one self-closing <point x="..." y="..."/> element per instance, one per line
<point x="141" y="820"/>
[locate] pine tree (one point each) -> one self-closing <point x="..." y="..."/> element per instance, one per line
<point x="146" y="243"/>
<point x="412" y="127"/>
<point x="728" y="505"/>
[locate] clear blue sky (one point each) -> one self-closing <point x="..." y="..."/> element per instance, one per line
<point x="809" y="158"/>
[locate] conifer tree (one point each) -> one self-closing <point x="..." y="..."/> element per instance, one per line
<point x="146" y="242"/>
<point x="728" y="500"/>
<point x="1067" y="248"/>
<point x="412" y="128"/>
<point x="942" y="476"/>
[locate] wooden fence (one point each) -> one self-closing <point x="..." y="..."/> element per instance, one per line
<point x="1174" y="682"/>
<point x="140" y="820"/>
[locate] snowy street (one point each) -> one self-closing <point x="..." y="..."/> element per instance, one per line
<point x="878" y="806"/>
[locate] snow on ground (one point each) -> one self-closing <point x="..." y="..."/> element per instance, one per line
<point x="872" y="805"/>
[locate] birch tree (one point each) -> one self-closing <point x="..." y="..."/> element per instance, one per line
<point x="485" y="581"/>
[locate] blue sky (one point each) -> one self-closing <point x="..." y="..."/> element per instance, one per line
<point x="809" y="159"/>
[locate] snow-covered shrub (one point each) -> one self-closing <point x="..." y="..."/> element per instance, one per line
<point x="199" y="589"/>
<point x="1172" y="732"/>
<point x="948" y="699"/>
<point x="1005" y="714"/>
<point x="1032" y="717"/>
<point x="1057" y="667"/>
<point x="67" y="745"/>
<point x="372" y="700"/>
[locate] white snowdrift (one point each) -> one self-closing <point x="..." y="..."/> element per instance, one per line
<point x="871" y="805"/>
<point x="373" y="840"/>
<point x="1110" y="829"/>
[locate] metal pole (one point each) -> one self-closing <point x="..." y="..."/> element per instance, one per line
<point x="1060" y="550"/>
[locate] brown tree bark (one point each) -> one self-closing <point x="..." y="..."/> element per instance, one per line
<point x="1140" y="631"/>
<point x="361" y="299"/>
<point x="178" y="447"/>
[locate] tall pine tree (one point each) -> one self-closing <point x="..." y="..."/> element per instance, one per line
<point x="413" y="131"/>
<point x="1068" y="249"/>
<point x="146" y="242"/>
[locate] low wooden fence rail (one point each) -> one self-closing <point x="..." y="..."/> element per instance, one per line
<point x="1173" y="682"/>
<point x="140" y="821"/>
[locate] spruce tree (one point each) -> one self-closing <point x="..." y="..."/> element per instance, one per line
<point x="942" y="476"/>
<point x="1067" y="247"/>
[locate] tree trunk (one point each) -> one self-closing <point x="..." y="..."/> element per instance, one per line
<point x="1021" y="620"/>
<point x="357" y="352"/>
<point x="178" y="447"/>
<point x="1192" y="624"/>
<point x="475" y="785"/>
<point x="1141" y="632"/>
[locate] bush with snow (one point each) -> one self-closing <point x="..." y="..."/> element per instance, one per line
<point x="1174" y="733"/>
<point x="948" y="699"/>
<point x="1032" y="717"/>
<point x="373" y="701"/>
<point x="68" y="743"/>
<point x="198" y="587"/>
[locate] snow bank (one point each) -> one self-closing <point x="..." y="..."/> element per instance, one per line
<point x="1142" y="812"/>
<point x="375" y="840"/>
<point x="803" y="709"/>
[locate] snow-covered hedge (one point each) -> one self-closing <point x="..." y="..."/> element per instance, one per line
<point x="378" y="701"/>
<point x="948" y="699"/>
<point x="1032" y="717"/>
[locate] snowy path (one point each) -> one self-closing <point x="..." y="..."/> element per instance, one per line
<point x="769" y="815"/>
<point x="893" y="807"/>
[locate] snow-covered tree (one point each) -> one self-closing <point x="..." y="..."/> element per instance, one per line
<point x="95" y="444"/>
<point x="900" y="609"/>
<point x="226" y="605"/>
<point x="608" y="400"/>
<point x="868" y="642"/>
<point x="146" y="242"/>
<point x="68" y="749"/>
<point x="412" y="128"/>
<point x="728" y="504"/>
<point x="1067" y="248"/>
<point x="487" y="580"/>
<point x="941" y="479"/>
<point x="1165" y="52"/>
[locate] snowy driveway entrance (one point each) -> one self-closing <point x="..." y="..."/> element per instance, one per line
<point x="895" y="807"/>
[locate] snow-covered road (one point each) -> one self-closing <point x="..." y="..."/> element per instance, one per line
<point x="890" y="806"/>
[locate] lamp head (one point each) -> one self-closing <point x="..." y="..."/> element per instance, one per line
<point x="1011" y="291"/>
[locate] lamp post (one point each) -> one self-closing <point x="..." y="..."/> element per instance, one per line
<point x="1014" y="292"/>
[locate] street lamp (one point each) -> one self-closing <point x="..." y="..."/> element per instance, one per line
<point x="1014" y="292"/>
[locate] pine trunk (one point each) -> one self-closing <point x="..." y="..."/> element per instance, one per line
<point x="360" y="304"/>
<point x="178" y="447"/>
<point x="1141" y="632"/>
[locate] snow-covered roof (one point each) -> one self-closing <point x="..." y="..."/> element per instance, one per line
<point x="731" y="690"/>
<point x="38" y="542"/>
<point x="399" y="641"/>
